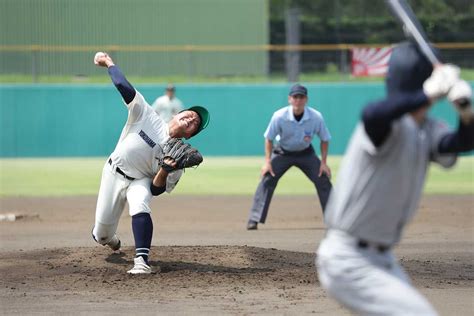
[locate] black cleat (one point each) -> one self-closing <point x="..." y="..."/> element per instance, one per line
<point x="114" y="243"/>
<point x="251" y="225"/>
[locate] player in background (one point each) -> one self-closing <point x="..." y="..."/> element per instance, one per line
<point x="132" y="173"/>
<point x="380" y="183"/>
<point x="295" y="125"/>
<point x="168" y="105"/>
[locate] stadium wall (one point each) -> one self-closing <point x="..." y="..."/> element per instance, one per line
<point x="66" y="120"/>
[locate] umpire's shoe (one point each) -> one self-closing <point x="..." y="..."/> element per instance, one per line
<point x="251" y="225"/>
<point x="114" y="243"/>
<point x="140" y="267"/>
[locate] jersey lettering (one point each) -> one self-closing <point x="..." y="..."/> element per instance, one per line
<point x="147" y="139"/>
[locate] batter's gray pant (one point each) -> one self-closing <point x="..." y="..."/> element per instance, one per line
<point x="309" y="163"/>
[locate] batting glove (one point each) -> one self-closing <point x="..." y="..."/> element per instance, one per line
<point x="460" y="97"/>
<point x="441" y="81"/>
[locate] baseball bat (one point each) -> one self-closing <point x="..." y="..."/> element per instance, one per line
<point x="405" y="15"/>
<point x="403" y="12"/>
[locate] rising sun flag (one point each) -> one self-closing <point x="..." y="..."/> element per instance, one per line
<point x="370" y="61"/>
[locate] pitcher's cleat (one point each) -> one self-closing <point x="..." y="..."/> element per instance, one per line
<point x="114" y="243"/>
<point x="140" y="267"/>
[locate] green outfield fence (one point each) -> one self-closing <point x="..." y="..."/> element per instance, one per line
<point x="191" y="39"/>
<point x="86" y="120"/>
<point x="51" y="37"/>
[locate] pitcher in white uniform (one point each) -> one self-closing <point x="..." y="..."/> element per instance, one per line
<point x="132" y="173"/>
<point x="380" y="183"/>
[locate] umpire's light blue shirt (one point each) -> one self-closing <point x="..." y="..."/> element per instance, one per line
<point x="294" y="135"/>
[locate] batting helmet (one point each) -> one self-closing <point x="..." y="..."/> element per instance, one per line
<point x="408" y="68"/>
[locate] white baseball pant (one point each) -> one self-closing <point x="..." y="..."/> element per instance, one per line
<point x="115" y="190"/>
<point x="365" y="280"/>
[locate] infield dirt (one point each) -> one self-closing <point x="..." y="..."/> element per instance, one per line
<point x="205" y="261"/>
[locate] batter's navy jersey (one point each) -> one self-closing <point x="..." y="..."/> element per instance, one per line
<point x="297" y="135"/>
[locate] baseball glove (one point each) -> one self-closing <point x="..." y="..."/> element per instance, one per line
<point x="183" y="154"/>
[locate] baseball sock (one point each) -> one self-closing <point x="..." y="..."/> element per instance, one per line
<point x="142" y="227"/>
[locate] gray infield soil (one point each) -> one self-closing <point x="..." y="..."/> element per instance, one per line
<point x="205" y="262"/>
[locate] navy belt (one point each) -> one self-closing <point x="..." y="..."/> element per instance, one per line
<point x="121" y="172"/>
<point x="365" y="244"/>
<point x="280" y="150"/>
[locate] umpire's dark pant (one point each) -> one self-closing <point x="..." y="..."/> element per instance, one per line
<point x="281" y="161"/>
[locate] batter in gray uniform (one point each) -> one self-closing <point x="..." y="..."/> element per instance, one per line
<point x="295" y="126"/>
<point x="380" y="183"/>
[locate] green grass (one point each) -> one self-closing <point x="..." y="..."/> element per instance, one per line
<point x="216" y="176"/>
<point x="330" y="76"/>
<point x="458" y="180"/>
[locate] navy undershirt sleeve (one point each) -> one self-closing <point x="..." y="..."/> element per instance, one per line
<point x="378" y="116"/>
<point x="460" y="141"/>
<point x="123" y="86"/>
<point x="157" y="190"/>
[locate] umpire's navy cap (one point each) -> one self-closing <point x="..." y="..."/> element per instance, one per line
<point x="298" y="89"/>
<point x="408" y="68"/>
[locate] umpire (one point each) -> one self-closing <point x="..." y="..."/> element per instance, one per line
<point x="295" y="126"/>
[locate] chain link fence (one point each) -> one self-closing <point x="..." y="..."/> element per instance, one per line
<point x="195" y="63"/>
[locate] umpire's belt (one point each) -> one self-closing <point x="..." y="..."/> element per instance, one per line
<point x="121" y="172"/>
<point x="364" y="244"/>
<point x="280" y="150"/>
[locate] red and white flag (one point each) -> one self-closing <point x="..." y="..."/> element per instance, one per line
<point x="370" y="61"/>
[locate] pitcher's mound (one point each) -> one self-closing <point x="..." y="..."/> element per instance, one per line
<point x="98" y="269"/>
